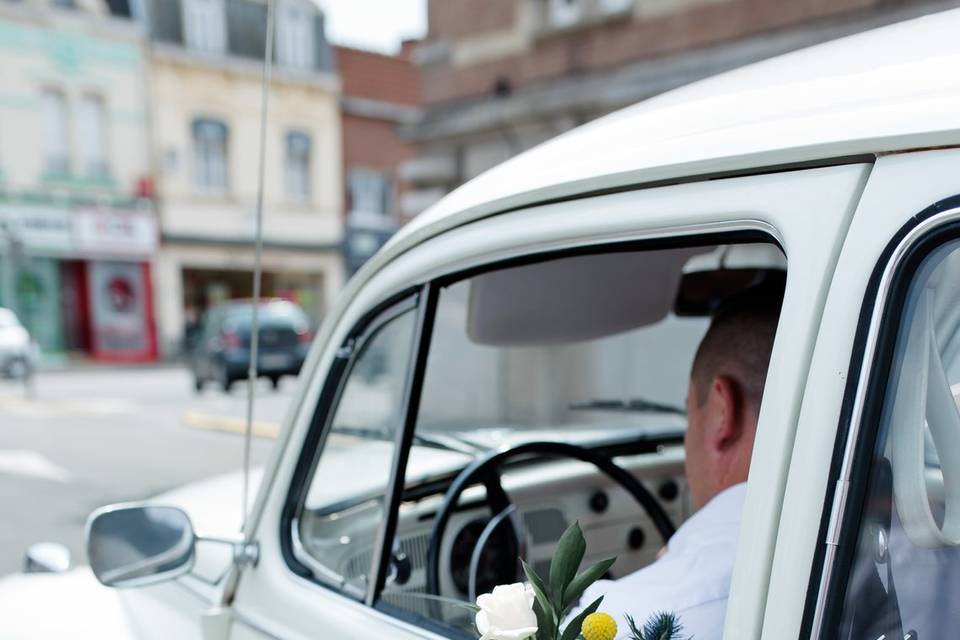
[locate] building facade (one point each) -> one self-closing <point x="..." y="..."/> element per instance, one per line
<point x="380" y="94"/>
<point x="206" y="64"/>
<point x="501" y="76"/>
<point x="77" y="227"/>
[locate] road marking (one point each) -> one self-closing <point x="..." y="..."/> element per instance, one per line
<point x="60" y="408"/>
<point x="23" y="462"/>
<point x="227" y="424"/>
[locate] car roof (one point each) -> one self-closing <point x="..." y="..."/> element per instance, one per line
<point x="891" y="89"/>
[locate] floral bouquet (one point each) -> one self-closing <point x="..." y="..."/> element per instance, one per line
<point x="538" y="610"/>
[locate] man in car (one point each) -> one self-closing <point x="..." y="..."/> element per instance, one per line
<point x="691" y="578"/>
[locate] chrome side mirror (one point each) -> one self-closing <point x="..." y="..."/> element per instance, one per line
<point x="137" y="545"/>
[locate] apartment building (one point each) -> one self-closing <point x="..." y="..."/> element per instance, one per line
<point x="77" y="226"/>
<point x="380" y="94"/>
<point x="206" y="62"/>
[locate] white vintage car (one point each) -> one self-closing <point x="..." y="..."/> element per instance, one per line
<point x="517" y="358"/>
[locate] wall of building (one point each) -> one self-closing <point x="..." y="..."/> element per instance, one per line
<point x="380" y="93"/>
<point x="207" y="248"/>
<point x="187" y="89"/>
<point x="514" y="39"/>
<point x="501" y="76"/>
<point x="75" y="54"/>
<point x="75" y="242"/>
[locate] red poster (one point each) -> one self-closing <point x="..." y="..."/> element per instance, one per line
<point x="120" y="311"/>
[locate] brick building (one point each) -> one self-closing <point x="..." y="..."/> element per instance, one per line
<point x="379" y="93"/>
<point x="500" y="76"/>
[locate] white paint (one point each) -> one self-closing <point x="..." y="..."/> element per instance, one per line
<point x="23" y="462"/>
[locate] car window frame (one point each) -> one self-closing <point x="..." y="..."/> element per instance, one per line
<point x="337" y="376"/>
<point x="424" y="298"/>
<point x="742" y="235"/>
<point x="872" y="357"/>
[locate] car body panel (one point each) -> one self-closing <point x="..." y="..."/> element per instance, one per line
<point x="75" y="605"/>
<point x="885" y="207"/>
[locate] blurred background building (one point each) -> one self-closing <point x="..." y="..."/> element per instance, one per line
<point x="77" y="226"/>
<point x="205" y="78"/>
<point x="129" y="136"/>
<point x="380" y="94"/>
<point x="501" y="76"/>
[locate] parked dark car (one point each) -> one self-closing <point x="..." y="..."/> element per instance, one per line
<point x="221" y="349"/>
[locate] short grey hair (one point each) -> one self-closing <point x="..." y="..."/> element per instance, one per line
<point x="739" y="341"/>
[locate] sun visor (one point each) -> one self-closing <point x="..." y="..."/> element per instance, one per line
<point x="574" y="299"/>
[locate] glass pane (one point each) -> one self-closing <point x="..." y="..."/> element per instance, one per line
<point x="92" y="136"/>
<point x="585" y="350"/>
<point x="298" y="166"/>
<point x="344" y="507"/>
<point x="209" y="155"/>
<point x="369" y="191"/>
<point x="906" y="571"/>
<point x="53" y="114"/>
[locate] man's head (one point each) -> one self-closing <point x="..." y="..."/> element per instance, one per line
<point x="726" y="384"/>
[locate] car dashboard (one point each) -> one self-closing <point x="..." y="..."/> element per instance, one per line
<point x="549" y="495"/>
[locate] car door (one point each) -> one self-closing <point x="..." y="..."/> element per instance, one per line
<point x="843" y="530"/>
<point x="805" y="212"/>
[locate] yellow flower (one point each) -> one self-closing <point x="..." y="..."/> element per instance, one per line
<point x="599" y="626"/>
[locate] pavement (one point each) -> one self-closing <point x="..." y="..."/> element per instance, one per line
<point x="90" y="436"/>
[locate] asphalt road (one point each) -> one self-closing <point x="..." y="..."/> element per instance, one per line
<point x="89" y="437"/>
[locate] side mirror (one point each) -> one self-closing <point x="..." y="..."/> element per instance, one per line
<point x="138" y="545"/>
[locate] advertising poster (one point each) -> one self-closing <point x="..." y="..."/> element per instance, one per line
<point x="119" y="294"/>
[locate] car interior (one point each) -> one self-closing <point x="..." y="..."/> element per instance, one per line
<point x="554" y="391"/>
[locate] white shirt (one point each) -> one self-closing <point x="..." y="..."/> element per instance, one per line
<point x="691" y="580"/>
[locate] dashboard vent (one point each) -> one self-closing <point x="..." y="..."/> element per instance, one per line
<point x="416" y="549"/>
<point x="358" y="565"/>
<point x="545" y="525"/>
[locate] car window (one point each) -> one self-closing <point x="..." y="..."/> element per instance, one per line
<point x="344" y="507"/>
<point x="584" y="349"/>
<point x="904" y="577"/>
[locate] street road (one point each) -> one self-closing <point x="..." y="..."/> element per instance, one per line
<point x="93" y="436"/>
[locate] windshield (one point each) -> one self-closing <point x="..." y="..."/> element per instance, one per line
<point x="636" y="378"/>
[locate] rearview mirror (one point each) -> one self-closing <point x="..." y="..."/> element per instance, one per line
<point x="138" y="545"/>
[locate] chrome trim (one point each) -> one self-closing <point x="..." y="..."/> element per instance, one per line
<point x="320" y="571"/>
<point x="838" y="509"/>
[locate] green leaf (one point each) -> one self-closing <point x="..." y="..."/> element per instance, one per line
<point x="579" y="584"/>
<point x="546" y="626"/>
<point x="543" y="600"/>
<point x="574" y="627"/>
<point x="566" y="561"/>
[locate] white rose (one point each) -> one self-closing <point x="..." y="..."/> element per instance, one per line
<point x="507" y="613"/>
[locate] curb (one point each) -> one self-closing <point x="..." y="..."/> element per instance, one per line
<point x="227" y="424"/>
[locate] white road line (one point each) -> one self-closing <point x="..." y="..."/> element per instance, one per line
<point x="23" y="462"/>
<point x="66" y="408"/>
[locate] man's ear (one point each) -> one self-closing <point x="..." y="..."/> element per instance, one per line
<point x="727" y="428"/>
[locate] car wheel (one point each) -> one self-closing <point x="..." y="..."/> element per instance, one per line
<point x="275" y="382"/>
<point x="19" y="369"/>
<point x="197" y="383"/>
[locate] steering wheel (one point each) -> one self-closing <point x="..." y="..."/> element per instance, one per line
<point x="484" y="471"/>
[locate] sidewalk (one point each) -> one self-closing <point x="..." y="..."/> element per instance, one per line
<point x="60" y="363"/>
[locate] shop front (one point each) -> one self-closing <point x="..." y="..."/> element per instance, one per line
<point x="79" y="279"/>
